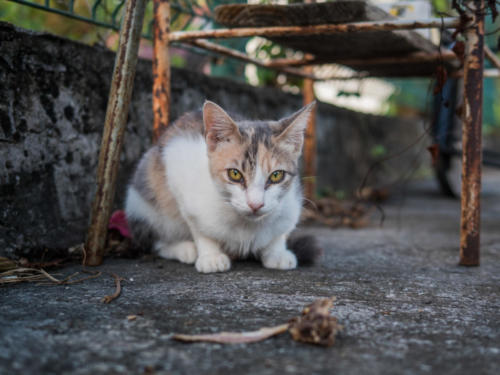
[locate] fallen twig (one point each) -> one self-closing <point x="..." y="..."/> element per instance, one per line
<point x="118" y="290"/>
<point x="235" y="337"/>
<point x="315" y="326"/>
<point x="25" y="274"/>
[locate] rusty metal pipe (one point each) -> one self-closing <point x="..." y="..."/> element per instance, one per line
<point x="114" y="126"/>
<point x="201" y="43"/>
<point x="490" y="55"/>
<point x="209" y="46"/>
<point x="471" y="136"/>
<point x="417" y="57"/>
<point x="161" y="67"/>
<point x="309" y="140"/>
<point x="277" y="31"/>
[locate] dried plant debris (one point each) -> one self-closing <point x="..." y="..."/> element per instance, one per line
<point x="314" y="326"/>
<point x="7" y="264"/>
<point x="234" y="337"/>
<point x="334" y="213"/>
<point x="118" y="290"/>
<point x="42" y="277"/>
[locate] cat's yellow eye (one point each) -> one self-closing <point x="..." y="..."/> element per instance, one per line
<point x="276" y="176"/>
<point x="234" y="175"/>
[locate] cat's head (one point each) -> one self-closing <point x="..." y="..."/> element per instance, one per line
<point x="254" y="163"/>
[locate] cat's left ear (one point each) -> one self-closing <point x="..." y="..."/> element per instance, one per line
<point x="293" y="128"/>
<point x="219" y="126"/>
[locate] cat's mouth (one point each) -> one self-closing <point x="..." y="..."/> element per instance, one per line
<point x="256" y="216"/>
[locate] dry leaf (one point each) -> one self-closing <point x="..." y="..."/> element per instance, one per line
<point x="316" y="325"/>
<point x="434" y="151"/>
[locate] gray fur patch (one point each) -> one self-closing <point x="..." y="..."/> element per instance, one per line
<point x="143" y="236"/>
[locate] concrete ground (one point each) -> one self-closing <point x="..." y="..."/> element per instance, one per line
<point x="406" y="306"/>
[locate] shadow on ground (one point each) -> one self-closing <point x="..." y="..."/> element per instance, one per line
<point x="406" y="306"/>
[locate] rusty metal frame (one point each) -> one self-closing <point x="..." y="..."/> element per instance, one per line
<point x="114" y="127"/>
<point x="161" y="67"/>
<point x="276" y="31"/>
<point x="163" y="37"/>
<point x="470" y="217"/>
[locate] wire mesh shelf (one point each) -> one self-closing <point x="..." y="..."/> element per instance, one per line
<point x="185" y="14"/>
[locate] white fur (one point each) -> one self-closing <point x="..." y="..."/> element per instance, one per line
<point x="184" y="251"/>
<point x="220" y="227"/>
<point x="137" y="208"/>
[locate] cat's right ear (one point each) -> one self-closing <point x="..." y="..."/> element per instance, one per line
<point x="219" y="126"/>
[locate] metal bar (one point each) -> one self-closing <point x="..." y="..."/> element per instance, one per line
<point x="310" y="134"/>
<point x="242" y="56"/>
<point x="471" y="136"/>
<point x="114" y="126"/>
<point x="276" y="31"/>
<point x="417" y="57"/>
<point x="306" y="60"/>
<point x="487" y="73"/>
<point x="492" y="57"/>
<point x="161" y="67"/>
<point x="309" y="140"/>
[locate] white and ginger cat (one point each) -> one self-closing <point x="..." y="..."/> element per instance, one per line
<point x="216" y="188"/>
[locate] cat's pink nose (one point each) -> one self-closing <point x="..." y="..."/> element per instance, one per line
<point x="255" y="206"/>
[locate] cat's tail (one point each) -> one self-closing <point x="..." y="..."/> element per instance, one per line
<point x="305" y="248"/>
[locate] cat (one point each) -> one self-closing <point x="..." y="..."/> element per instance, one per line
<point x="216" y="188"/>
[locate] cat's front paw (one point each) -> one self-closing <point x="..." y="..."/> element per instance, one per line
<point x="282" y="260"/>
<point x="213" y="263"/>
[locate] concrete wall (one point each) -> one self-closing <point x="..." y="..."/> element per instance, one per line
<point x="53" y="96"/>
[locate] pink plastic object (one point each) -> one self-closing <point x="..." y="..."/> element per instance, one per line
<point x="118" y="221"/>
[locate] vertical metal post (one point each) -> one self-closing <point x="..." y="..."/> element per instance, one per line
<point x="471" y="136"/>
<point x="310" y="136"/>
<point x="161" y="67"/>
<point x="310" y="140"/>
<point x="114" y="126"/>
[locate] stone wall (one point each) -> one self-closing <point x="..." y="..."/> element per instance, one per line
<point x="53" y="96"/>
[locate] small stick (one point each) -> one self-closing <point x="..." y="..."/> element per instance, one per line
<point x="235" y="337"/>
<point x="92" y="276"/>
<point x="116" y="294"/>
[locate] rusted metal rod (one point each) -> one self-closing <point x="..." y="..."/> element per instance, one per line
<point x="471" y="136"/>
<point x="310" y="140"/>
<point x="201" y="43"/>
<point x="492" y="57"/>
<point x="487" y="73"/>
<point x="114" y="126"/>
<point x="491" y="73"/>
<point x="276" y="31"/>
<point x="310" y="135"/>
<point x="161" y="67"/>
<point x="242" y="56"/>
<point x="306" y="60"/>
<point x="417" y="57"/>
